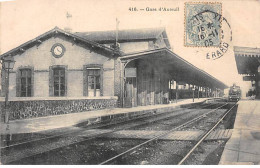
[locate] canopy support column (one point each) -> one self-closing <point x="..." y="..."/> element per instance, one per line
<point x="176" y="100"/>
<point x="198" y="92"/>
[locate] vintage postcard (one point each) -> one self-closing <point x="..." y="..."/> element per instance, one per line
<point x="134" y="82"/>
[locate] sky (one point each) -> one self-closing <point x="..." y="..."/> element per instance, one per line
<point x="23" y="20"/>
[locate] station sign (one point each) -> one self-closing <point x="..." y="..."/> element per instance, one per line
<point x="130" y="72"/>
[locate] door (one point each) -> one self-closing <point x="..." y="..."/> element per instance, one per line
<point x="130" y="92"/>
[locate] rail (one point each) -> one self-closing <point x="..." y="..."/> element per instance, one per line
<point x="204" y="136"/>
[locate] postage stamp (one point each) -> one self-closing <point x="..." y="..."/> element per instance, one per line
<point x="203" y="24"/>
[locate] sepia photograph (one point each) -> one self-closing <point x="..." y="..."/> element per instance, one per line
<point x="133" y="82"/>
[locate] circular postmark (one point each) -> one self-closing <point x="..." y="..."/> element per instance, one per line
<point x="205" y="27"/>
<point x="225" y="38"/>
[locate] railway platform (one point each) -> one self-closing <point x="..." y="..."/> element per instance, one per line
<point x="70" y="120"/>
<point x="243" y="148"/>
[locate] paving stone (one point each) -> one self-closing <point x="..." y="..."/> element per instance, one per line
<point x="244" y="144"/>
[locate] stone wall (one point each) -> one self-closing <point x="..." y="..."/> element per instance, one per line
<point x="25" y="109"/>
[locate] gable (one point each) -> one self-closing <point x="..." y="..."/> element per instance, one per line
<point x="41" y="57"/>
<point x="56" y="32"/>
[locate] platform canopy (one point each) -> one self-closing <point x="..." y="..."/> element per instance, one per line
<point x="247" y="59"/>
<point x="179" y="69"/>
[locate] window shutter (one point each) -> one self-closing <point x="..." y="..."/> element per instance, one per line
<point x="18" y="83"/>
<point x="85" y="81"/>
<point x="50" y="81"/>
<point x="101" y="80"/>
<point x="32" y="82"/>
<point x="66" y="79"/>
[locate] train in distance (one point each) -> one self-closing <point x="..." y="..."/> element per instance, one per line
<point x="234" y="93"/>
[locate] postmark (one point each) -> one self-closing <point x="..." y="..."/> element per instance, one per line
<point x="205" y="27"/>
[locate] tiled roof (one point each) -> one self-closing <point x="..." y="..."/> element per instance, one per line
<point x="123" y="35"/>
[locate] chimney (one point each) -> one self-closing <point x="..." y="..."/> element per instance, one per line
<point x="68" y="27"/>
<point x="116" y="45"/>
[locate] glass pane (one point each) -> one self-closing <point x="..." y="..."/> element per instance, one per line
<point x="56" y="87"/>
<point x="29" y="91"/>
<point x="23" y="88"/>
<point x="56" y="72"/>
<point x="56" y="93"/>
<point x="62" y="93"/>
<point x="97" y="79"/>
<point x="23" y="73"/>
<point x="62" y="80"/>
<point x="23" y="94"/>
<point x="29" y="73"/>
<point x="92" y="86"/>
<point x="90" y="72"/>
<point x="97" y="71"/>
<point x="62" y="87"/>
<point x="56" y="79"/>
<point x="62" y="72"/>
<point x="90" y="79"/>
<point x="97" y="82"/>
<point x="97" y="86"/>
<point x="23" y="81"/>
<point x="29" y="81"/>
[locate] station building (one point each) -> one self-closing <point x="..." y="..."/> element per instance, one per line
<point x="60" y="72"/>
<point x="248" y="65"/>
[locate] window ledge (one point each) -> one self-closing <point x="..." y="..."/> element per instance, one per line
<point x="2" y="99"/>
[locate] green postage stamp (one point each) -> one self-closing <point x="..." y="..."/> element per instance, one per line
<point x="202" y="24"/>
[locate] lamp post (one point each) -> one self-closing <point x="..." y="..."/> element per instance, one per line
<point x="193" y="89"/>
<point x="8" y="64"/>
<point x="198" y="92"/>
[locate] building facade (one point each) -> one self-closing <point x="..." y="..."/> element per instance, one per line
<point x="60" y="72"/>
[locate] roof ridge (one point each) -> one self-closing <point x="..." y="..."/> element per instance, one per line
<point x="151" y="28"/>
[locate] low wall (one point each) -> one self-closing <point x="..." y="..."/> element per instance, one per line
<point x="24" y="109"/>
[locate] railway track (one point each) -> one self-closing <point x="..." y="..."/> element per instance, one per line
<point x="137" y="122"/>
<point x="204" y="136"/>
<point x="161" y="135"/>
<point x="153" y="118"/>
